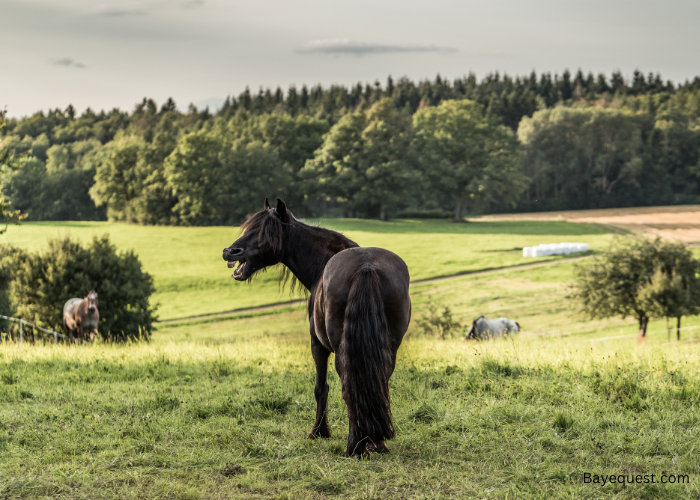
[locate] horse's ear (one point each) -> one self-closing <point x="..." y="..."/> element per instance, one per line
<point x="281" y="209"/>
<point x="267" y="204"/>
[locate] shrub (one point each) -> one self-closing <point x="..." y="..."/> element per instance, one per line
<point x="8" y="261"/>
<point x="43" y="283"/>
<point x="441" y="325"/>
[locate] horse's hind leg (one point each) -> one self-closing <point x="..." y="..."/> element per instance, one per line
<point x="320" y="355"/>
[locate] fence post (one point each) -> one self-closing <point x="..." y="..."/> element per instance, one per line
<point x="55" y="338"/>
<point x="21" y="331"/>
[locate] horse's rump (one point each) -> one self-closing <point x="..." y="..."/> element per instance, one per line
<point x="393" y="277"/>
<point x="367" y="310"/>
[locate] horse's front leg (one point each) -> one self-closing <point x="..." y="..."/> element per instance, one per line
<point x="320" y="355"/>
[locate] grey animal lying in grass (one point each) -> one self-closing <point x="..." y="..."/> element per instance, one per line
<point x="484" y="328"/>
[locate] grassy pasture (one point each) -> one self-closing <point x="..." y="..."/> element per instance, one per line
<point x="535" y="297"/>
<point x="192" y="279"/>
<point x="220" y="407"/>
<point x="505" y="419"/>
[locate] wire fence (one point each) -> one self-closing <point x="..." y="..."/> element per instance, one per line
<point x="21" y="329"/>
<point x="569" y="333"/>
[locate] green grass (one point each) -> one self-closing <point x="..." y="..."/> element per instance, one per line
<point x="505" y="419"/>
<point x="534" y="297"/>
<point x="221" y="407"/>
<point x="192" y="279"/>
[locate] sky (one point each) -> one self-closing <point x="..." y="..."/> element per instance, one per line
<point x="114" y="53"/>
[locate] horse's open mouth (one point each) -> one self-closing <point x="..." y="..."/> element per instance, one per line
<point x="238" y="273"/>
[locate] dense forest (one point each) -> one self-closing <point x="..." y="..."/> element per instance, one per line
<point x="402" y="149"/>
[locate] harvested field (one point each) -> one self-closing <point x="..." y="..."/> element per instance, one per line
<point x="676" y="222"/>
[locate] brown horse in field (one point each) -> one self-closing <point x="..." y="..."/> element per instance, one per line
<point x="359" y="309"/>
<point x="81" y="316"/>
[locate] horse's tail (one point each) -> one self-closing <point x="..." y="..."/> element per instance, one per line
<point x="365" y="357"/>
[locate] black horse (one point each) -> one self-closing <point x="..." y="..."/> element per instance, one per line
<point x="359" y="309"/>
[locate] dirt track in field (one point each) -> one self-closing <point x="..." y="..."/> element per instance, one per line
<point x="419" y="282"/>
<point x="677" y="222"/>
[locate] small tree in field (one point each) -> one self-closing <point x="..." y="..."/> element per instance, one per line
<point x="43" y="282"/>
<point x="674" y="289"/>
<point x="667" y="295"/>
<point x="641" y="278"/>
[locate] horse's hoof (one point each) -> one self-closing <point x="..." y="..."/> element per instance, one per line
<point x="359" y="452"/>
<point x="320" y="434"/>
<point x="377" y="448"/>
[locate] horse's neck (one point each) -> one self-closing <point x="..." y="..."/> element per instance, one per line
<point x="311" y="250"/>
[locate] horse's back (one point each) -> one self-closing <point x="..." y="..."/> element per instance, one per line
<point x="71" y="305"/>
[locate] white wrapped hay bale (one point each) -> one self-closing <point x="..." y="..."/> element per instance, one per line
<point x="548" y="249"/>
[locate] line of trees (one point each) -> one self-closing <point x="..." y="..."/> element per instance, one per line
<point x="502" y="144"/>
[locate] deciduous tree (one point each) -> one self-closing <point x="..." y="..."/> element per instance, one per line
<point x="640" y="278"/>
<point x="364" y="160"/>
<point x="464" y="155"/>
<point x="580" y="156"/>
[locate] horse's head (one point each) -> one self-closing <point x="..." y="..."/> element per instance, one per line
<point x="473" y="332"/>
<point x="470" y="332"/>
<point x="262" y="243"/>
<point x="92" y="301"/>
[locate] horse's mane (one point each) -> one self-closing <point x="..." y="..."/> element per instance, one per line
<point x="269" y="227"/>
